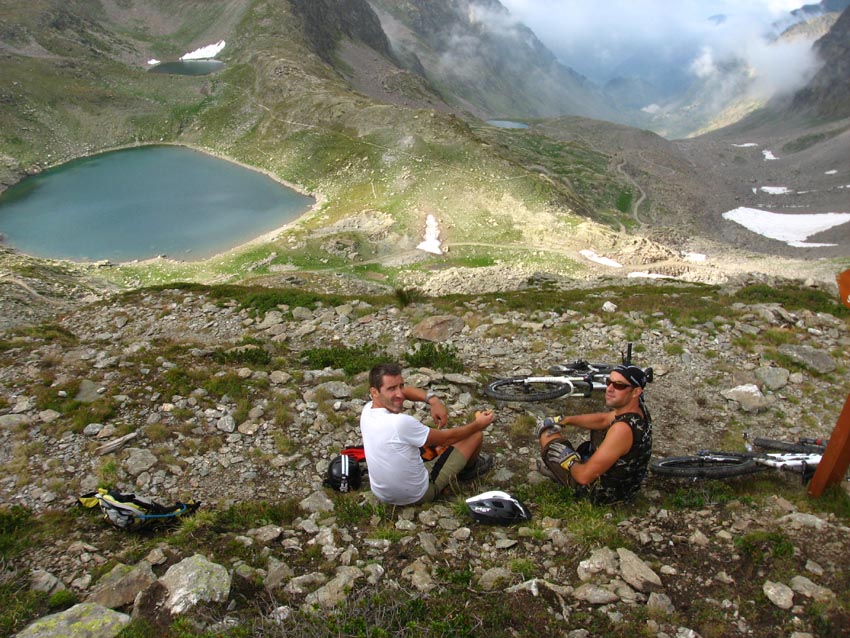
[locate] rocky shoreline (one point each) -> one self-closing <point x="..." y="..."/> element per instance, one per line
<point x="169" y="368"/>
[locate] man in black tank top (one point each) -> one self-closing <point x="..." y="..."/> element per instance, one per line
<point x="612" y="465"/>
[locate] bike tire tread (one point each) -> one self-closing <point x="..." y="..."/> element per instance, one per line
<point x="707" y="467"/>
<point x="495" y="390"/>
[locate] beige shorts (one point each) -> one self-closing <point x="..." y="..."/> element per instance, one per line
<point x="441" y="471"/>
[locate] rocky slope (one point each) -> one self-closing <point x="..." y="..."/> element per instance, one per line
<point x="217" y="402"/>
<point x="827" y="93"/>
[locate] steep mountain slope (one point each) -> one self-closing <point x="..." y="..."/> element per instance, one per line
<point x="828" y="94"/>
<point x="483" y="62"/>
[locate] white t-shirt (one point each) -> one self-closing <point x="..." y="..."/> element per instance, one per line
<point x="391" y="442"/>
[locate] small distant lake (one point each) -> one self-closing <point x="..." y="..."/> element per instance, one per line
<point x="142" y="202"/>
<point x="188" y="67"/>
<point x="507" y="124"/>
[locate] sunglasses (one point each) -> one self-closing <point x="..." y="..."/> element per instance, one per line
<point x="618" y="385"/>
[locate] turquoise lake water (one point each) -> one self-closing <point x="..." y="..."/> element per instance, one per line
<point x="143" y="202"/>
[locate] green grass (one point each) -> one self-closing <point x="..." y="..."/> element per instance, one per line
<point x="591" y="525"/>
<point x="247" y="354"/>
<point x="624" y="202"/>
<point x="793" y="298"/>
<point x="21" y="530"/>
<point x="834" y="500"/>
<point x="806" y="141"/>
<point x="229" y="384"/>
<point x="761" y="546"/>
<point x="700" y="494"/>
<point x="350" y="360"/>
<point x="437" y="356"/>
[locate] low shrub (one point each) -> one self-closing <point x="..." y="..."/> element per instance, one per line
<point x="437" y="356"/>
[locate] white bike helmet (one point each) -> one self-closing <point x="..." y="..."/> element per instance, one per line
<point x="497" y="508"/>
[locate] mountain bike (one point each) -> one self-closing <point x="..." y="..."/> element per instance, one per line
<point x="579" y="378"/>
<point x="802" y="457"/>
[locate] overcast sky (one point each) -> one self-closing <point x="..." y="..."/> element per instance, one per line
<point x="595" y="36"/>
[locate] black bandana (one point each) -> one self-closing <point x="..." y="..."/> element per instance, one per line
<point x="634" y="375"/>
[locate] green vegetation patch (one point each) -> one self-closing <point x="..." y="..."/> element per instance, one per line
<point x="761" y="546"/>
<point x="699" y="494"/>
<point x="256" y="299"/>
<point x="51" y="333"/>
<point x="591" y="525"/>
<point x="350" y="360"/>
<point x="437" y="356"/>
<point x="624" y="201"/>
<point x="20" y="530"/>
<point x="793" y="298"/>
<point x="807" y="141"/>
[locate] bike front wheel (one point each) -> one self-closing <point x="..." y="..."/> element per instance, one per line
<point x="710" y="466"/>
<point x="526" y="389"/>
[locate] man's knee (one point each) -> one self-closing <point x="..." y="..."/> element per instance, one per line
<point x="470" y="445"/>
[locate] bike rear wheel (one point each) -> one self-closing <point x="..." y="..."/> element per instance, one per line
<point x="788" y="446"/>
<point x="524" y="389"/>
<point x="712" y="466"/>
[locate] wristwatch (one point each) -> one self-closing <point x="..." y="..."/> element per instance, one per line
<point x="428" y="396"/>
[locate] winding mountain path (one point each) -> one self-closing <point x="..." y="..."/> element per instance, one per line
<point x="635" y="205"/>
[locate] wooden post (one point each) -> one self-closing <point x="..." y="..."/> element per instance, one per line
<point x="836" y="459"/>
<point x="843" y="279"/>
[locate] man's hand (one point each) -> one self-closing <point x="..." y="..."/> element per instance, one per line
<point x="484" y="418"/>
<point x="439" y="413"/>
<point x="568" y="457"/>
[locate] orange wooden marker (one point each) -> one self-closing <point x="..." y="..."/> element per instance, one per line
<point x="836" y="459"/>
<point x="843" y="279"/>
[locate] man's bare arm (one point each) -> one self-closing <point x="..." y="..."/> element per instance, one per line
<point x="594" y="421"/>
<point x="450" y="436"/>
<point x="617" y="442"/>
<point x="438" y="408"/>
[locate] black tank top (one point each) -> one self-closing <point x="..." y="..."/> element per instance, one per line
<point x="622" y="481"/>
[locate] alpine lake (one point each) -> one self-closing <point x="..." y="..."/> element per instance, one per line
<point x="143" y="202"/>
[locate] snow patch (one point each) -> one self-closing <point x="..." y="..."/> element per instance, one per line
<point x="205" y="53"/>
<point x="153" y="62"/>
<point x="431" y="243"/>
<point x="792" y="229"/>
<point x="768" y="155"/>
<point x="592" y="256"/>
<point x="832" y="172"/>
<point x="775" y="190"/>
<point x="745" y="145"/>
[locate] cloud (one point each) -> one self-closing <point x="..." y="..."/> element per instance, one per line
<point x="703" y="64"/>
<point x="617" y="37"/>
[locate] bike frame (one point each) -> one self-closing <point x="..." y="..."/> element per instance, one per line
<point x="577" y="379"/>
<point x="791" y="461"/>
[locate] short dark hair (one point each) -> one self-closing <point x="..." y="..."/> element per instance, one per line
<point x="377" y="374"/>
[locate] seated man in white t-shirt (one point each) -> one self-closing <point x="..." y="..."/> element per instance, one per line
<point x="394" y="441"/>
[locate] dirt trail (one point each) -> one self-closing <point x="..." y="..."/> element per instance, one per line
<point x="639" y="201"/>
